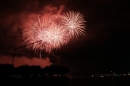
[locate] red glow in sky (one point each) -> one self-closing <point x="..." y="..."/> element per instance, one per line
<point x="18" y="61"/>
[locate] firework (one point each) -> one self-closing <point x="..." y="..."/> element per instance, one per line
<point x="51" y="33"/>
<point x="44" y="35"/>
<point x="74" y="24"/>
<point x="53" y="37"/>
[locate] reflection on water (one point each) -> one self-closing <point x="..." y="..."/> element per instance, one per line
<point x="98" y="81"/>
<point x="44" y="81"/>
<point x="64" y="81"/>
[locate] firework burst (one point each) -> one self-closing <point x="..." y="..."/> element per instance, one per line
<point x="44" y="35"/>
<point x="74" y="24"/>
<point x="53" y="37"/>
<point x="54" y="32"/>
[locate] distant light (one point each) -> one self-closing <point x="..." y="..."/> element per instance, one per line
<point x="31" y="75"/>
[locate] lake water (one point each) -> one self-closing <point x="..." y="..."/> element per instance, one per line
<point x="105" y="81"/>
<point x="64" y="81"/>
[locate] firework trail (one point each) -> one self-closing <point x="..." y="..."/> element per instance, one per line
<point x="53" y="32"/>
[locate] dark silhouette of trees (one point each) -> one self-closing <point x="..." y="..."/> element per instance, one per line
<point x="63" y="70"/>
<point x="7" y="70"/>
<point x="55" y="70"/>
<point x="29" y="71"/>
<point x="33" y="75"/>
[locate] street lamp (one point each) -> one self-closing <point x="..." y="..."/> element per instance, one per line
<point x="20" y="48"/>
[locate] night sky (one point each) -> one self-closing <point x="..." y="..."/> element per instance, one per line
<point x="104" y="48"/>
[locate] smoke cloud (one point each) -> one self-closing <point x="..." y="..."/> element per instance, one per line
<point x="18" y="61"/>
<point x="12" y="20"/>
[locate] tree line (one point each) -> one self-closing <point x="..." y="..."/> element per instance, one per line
<point x="7" y="70"/>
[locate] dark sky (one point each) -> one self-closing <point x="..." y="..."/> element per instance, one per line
<point x="105" y="46"/>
